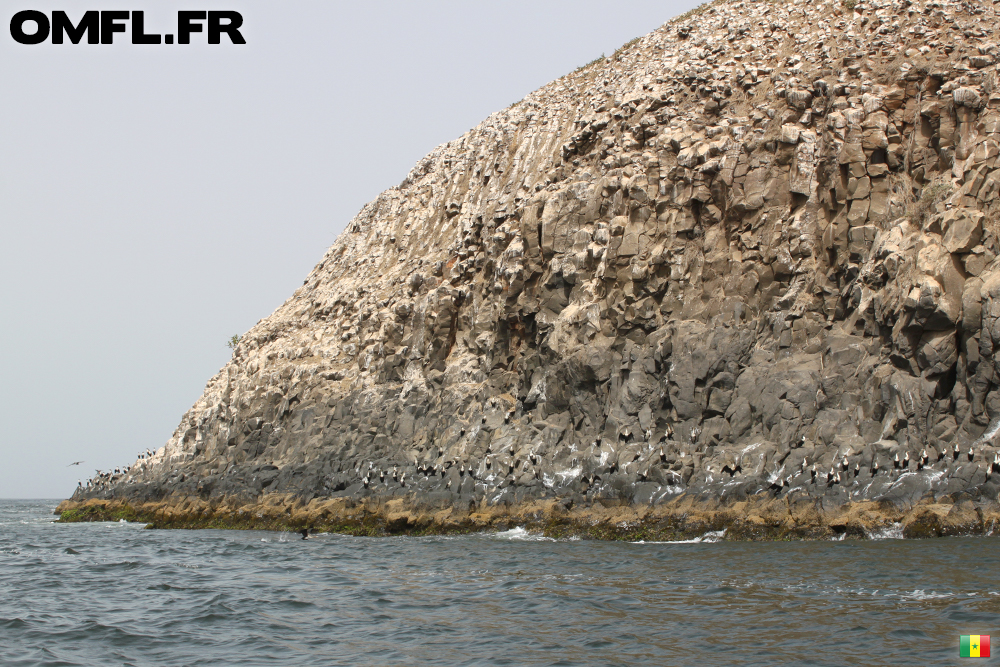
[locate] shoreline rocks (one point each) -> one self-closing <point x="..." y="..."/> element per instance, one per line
<point x="684" y="518"/>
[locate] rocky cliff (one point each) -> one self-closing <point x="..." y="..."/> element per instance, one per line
<point x="741" y="273"/>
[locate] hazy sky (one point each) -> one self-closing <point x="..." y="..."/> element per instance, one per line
<point x="155" y="200"/>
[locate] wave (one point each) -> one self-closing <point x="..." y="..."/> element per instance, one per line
<point x="711" y="537"/>
<point x="893" y="532"/>
<point x="520" y="535"/>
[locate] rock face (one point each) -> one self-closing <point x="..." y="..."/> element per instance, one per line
<point x="751" y="255"/>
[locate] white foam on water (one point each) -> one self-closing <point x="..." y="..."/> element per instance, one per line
<point x="893" y="532"/>
<point x="521" y="535"/>
<point x="711" y="537"/>
<point x="920" y="594"/>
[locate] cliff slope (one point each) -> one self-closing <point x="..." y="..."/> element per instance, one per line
<point x="741" y="272"/>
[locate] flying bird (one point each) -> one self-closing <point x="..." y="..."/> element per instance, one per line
<point x="75" y="463"/>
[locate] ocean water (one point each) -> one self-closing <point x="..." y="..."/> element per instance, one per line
<point x="117" y="594"/>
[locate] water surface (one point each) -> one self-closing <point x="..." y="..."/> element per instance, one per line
<point x="116" y="594"/>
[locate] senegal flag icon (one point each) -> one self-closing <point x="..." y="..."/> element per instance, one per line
<point x="975" y="646"/>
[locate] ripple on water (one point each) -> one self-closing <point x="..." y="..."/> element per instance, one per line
<point x="131" y="596"/>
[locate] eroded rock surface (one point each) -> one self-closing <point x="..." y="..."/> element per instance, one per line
<point x="751" y="255"/>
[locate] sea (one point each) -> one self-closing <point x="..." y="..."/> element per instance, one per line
<point x="117" y="594"/>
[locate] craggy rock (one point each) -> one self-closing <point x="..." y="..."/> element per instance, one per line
<point x="751" y="257"/>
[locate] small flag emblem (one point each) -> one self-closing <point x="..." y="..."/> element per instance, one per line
<point x="975" y="646"/>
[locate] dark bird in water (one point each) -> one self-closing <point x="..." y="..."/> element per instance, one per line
<point x="305" y="533"/>
<point x="75" y="463"/>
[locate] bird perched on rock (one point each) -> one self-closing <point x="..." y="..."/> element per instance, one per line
<point x="971" y="454"/>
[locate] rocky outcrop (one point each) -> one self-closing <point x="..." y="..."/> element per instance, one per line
<point x="750" y="258"/>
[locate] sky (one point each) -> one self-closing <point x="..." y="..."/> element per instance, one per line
<point x="157" y="199"/>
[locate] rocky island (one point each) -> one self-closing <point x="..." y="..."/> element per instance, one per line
<point x="740" y="275"/>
